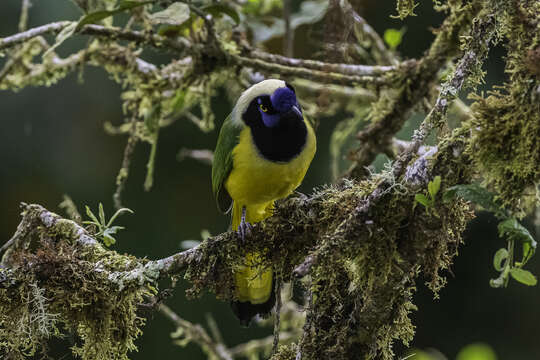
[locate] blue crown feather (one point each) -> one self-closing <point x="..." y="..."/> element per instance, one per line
<point x="283" y="99"/>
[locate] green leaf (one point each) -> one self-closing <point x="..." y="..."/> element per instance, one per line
<point x="393" y="37"/>
<point x="528" y="252"/>
<point x="94" y="17"/>
<point x="101" y="214"/>
<point x="474" y="193"/>
<point x="113" y="230"/>
<point x="176" y="14"/>
<point x="118" y="213"/>
<point x="515" y="231"/>
<point x="217" y="10"/>
<point x="422" y="199"/>
<point x="523" y="276"/>
<point x="477" y="351"/>
<point x="108" y="240"/>
<point x="91" y="215"/>
<point x="434" y="186"/>
<point x="108" y="233"/>
<point x="310" y="12"/>
<point x="500" y="256"/>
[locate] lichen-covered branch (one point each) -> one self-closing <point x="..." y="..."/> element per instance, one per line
<point x="345" y="69"/>
<point x="473" y="58"/>
<point x="314" y="222"/>
<point x="306" y="73"/>
<point x="324" y="72"/>
<point x="179" y="44"/>
<point x="392" y="110"/>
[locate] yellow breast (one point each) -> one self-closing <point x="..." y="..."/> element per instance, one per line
<point x="257" y="181"/>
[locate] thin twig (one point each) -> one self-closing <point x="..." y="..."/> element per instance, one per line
<point x="21" y="37"/>
<point x="123" y="173"/>
<point x="277" y="290"/>
<point x="288" y="40"/>
<point x="23" y="20"/>
<point x="378" y="44"/>
<point x="205" y="156"/>
<point x="335" y="91"/>
<point x="258" y="345"/>
<point x="178" y="44"/>
<point x="68" y="205"/>
<point x="197" y="334"/>
<point x="214" y="329"/>
<point x="307" y="325"/>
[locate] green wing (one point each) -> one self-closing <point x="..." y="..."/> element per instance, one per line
<point x="223" y="162"/>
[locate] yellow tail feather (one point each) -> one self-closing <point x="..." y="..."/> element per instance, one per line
<point x="253" y="280"/>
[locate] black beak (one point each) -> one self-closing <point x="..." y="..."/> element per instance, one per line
<point x="293" y="114"/>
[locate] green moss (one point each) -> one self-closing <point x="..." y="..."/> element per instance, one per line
<point x="505" y="145"/>
<point x="506" y="124"/>
<point x="286" y="352"/>
<point x="363" y="265"/>
<point x="405" y="8"/>
<point x="60" y="286"/>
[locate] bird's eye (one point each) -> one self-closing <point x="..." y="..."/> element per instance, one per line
<point x="263" y="108"/>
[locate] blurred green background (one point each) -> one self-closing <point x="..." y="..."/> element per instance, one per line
<point x="52" y="143"/>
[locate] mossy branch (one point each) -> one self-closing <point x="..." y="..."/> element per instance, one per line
<point x="388" y="117"/>
<point x="317" y="223"/>
<point x="341" y="74"/>
<point x="179" y="44"/>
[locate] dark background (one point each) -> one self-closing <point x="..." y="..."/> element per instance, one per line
<point x="52" y="143"/>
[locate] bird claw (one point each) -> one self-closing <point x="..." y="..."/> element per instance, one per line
<point x="244" y="229"/>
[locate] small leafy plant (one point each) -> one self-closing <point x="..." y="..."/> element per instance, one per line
<point x="105" y="230"/>
<point x="393" y="37"/>
<point x="433" y="188"/>
<point x="509" y="228"/>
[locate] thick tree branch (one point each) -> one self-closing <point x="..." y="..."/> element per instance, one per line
<point x="472" y="58"/>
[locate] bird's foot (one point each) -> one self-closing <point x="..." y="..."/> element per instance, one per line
<point x="244" y="229"/>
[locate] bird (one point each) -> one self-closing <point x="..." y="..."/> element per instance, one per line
<point x="263" y="151"/>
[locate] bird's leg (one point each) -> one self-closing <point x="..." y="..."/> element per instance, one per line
<point x="244" y="229"/>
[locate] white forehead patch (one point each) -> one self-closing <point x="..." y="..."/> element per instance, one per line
<point x="265" y="87"/>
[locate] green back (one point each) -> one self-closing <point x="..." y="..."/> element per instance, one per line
<point x="223" y="162"/>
